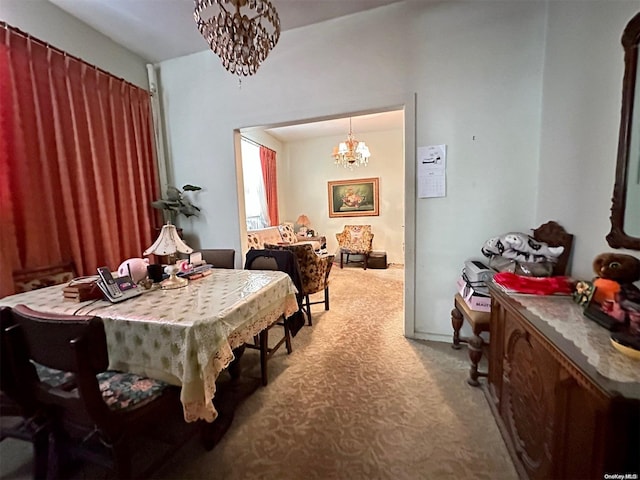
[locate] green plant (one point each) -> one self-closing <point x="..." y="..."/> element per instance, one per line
<point x="177" y="203"/>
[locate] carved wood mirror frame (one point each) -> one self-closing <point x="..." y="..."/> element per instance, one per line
<point x="617" y="238"/>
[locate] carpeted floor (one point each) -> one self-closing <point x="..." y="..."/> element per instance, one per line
<point x="355" y="400"/>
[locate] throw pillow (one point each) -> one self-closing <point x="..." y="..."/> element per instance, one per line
<point x="286" y="232"/>
<point x="254" y="241"/>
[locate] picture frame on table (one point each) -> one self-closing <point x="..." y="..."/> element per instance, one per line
<point x="354" y="198"/>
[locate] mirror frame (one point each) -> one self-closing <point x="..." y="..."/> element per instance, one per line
<point x="617" y="238"/>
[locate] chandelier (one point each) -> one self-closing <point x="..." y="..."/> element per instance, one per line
<point x="242" y="36"/>
<point x="351" y="153"/>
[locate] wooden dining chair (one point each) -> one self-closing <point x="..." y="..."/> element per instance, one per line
<point x="284" y="261"/>
<point x="94" y="412"/>
<point x="219" y="257"/>
<point x="19" y="417"/>
<point x="314" y="274"/>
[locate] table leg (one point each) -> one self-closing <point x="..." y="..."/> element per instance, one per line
<point x="234" y="366"/>
<point x="228" y="396"/>
<point x="456" y="323"/>
<point x="264" y="355"/>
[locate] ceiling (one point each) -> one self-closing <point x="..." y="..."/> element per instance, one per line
<point x="374" y="122"/>
<point x="158" y="30"/>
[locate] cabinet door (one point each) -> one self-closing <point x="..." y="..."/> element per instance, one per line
<point x="528" y="400"/>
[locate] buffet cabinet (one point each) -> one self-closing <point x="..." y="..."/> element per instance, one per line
<point x="566" y="402"/>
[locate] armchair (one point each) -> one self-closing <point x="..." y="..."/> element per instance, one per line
<point x="355" y="240"/>
<point x="314" y="271"/>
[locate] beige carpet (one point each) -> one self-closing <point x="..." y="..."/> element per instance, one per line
<point x="355" y="400"/>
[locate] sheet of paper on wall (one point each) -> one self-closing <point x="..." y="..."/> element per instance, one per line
<point x="432" y="166"/>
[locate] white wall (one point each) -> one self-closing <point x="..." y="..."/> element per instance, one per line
<point x="310" y="166"/>
<point x="53" y="25"/>
<point x="476" y="68"/>
<point x="528" y="104"/>
<point x="583" y="71"/>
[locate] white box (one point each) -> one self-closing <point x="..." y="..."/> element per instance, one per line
<point x="474" y="300"/>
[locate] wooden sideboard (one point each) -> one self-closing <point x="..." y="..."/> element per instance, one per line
<point x="566" y="402"/>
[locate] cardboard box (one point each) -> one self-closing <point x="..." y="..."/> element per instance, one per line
<point x="476" y="301"/>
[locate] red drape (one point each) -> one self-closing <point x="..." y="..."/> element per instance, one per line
<point x="77" y="162"/>
<point x="269" y="174"/>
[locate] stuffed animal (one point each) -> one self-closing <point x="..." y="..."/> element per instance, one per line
<point x="521" y="247"/>
<point x="616" y="273"/>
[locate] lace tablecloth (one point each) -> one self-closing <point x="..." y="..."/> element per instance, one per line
<point x="183" y="336"/>
<point x="567" y="318"/>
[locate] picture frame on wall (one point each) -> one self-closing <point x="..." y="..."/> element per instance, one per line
<point x="354" y="198"/>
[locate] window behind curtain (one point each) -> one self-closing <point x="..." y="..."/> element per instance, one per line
<point x="77" y="159"/>
<point x="255" y="198"/>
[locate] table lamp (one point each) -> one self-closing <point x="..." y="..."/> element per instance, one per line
<point x="305" y="222"/>
<point x="168" y="243"/>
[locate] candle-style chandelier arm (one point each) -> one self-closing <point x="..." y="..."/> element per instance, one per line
<point x="351" y="153"/>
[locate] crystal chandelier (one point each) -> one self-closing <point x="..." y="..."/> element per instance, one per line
<point x="351" y="153"/>
<point x="241" y="38"/>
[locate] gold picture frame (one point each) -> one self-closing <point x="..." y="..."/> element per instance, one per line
<point x="354" y="198"/>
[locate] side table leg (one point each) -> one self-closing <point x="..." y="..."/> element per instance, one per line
<point x="475" y="354"/>
<point x="456" y="323"/>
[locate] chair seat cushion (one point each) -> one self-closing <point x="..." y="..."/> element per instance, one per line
<point x="126" y="391"/>
<point x="120" y="390"/>
<point x="55" y="378"/>
<point x="354" y="251"/>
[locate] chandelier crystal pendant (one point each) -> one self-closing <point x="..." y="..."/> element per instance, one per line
<point x="351" y="153"/>
<point x="240" y="32"/>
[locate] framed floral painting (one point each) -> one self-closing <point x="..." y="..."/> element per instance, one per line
<point x="354" y="198"/>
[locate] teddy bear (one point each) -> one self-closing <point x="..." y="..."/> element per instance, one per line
<point x="615" y="289"/>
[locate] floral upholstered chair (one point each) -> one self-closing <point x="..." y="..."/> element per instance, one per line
<point x="314" y="272"/>
<point x="355" y="240"/>
<point x="27" y="280"/>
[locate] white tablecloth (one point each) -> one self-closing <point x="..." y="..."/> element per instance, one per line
<point x="183" y="336"/>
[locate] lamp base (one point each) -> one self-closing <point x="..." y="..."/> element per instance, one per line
<point x="173" y="281"/>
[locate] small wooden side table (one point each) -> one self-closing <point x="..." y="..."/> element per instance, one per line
<point x="479" y="322"/>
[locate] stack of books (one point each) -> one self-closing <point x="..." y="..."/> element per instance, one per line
<point x="79" y="290"/>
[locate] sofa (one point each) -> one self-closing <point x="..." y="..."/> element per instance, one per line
<point x="281" y="234"/>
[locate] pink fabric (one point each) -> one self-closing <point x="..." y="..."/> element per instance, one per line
<point x="535" y="285"/>
<point x="269" y="173"/>
<point x="78" y="161"/>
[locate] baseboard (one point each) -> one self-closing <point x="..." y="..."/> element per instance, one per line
<point x="433" y="337"/>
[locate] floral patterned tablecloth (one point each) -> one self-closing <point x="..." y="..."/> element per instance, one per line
<point x="183" y="336"/>
<point x="593" y="340"/>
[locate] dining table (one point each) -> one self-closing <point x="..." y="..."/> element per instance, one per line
<point x="184" y="336"/>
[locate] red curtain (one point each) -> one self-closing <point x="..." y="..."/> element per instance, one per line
<point x="77" y="162"/>
<point x="269" y="174"/>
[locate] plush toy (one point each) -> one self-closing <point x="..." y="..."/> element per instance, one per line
<point x="616" y="273"/>
<point x="521" y="247"/>
<point x="136" y="267"/>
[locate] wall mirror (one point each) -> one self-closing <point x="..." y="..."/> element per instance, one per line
<point x="625" y="209"/>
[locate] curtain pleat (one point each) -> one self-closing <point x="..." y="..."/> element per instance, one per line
<point x="269" y="174"/>
<point x="77" y="162"/>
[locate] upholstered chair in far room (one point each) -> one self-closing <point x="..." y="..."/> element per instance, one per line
<point x="314" y="272"/>
<point x="355" y="240"/>
<point x="94" y="412"/>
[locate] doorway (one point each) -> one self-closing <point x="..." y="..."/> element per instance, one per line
<point x="305" y="166"/>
